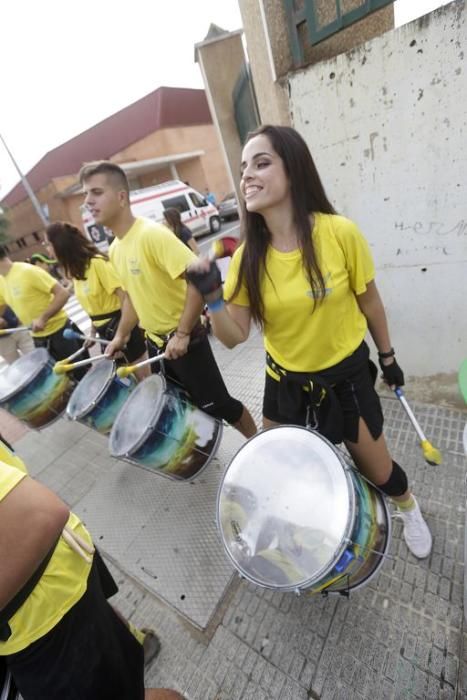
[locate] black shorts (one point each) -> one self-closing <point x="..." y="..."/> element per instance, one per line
<point x="198" y="373"/>
<point x="89" y="655"/>
<point x="60" y="347"/>
<point x="354" y="390"/>
<point x="136" y="345"/>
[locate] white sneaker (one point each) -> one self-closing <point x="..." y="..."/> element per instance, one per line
<point x="416" y="533"/>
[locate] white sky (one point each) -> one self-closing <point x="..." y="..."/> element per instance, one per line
<point x="65" y="66"/>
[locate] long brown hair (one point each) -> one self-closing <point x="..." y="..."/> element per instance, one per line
<point x="72" y="249"/>
<point x="174" y="220"/>
<point x="308" y="196"/>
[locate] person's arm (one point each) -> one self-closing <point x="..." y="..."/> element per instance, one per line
<point x="193" y="245"/>
<point x="128" y="321"/>
<point x="372" y="308"/>
<point x="178" y="343"/>
<point x="60" y="297"/>
<point x="31" y="520"/>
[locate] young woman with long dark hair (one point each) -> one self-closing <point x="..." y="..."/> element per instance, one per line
<point x="96" y="286"/>
<point x="174" y="222"/>
<point x="305" y="275"/>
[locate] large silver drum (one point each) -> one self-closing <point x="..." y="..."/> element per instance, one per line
<point x="294" y="515"/>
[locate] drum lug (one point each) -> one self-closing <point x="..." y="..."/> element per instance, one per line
<point x="297" y="592"/>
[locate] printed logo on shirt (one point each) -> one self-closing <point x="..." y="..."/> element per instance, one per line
<point x="86" y="288"/>
<point x="134" y="266"/>
<point x="16" y="291"/>
<point x="318" y="294"/>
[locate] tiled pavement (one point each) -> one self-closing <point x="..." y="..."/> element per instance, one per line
<point x="400" y="637"/>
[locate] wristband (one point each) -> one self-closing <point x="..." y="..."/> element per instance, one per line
<point x="386" y="355"/>
<point x="216" y="305"/>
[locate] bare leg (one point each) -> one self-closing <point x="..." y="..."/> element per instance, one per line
<point x="142" y="372"/>
<point x="372" y="458"/>
<point x="246" y="425"/>
<point x="269" y="423"/>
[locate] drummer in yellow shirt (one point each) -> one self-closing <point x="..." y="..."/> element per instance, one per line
<point x="59" y="637"/>
<point x="150" y="263"/>
<point x="37" y="299"/>
<point x="96" y="286"/>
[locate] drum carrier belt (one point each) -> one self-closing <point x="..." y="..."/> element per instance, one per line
<point x="104" y="317"/>
<point x="323" y="413"/>
<point x="17" y="601"/>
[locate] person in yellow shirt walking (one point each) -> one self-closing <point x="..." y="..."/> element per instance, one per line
<point x="59" y="637"/>
<point x="96" y="287"/>
<point x="306" y="276"/>
<point x="150" y="263"/>
<point x="38" y="299"/>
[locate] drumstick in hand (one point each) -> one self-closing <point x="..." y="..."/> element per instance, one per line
<point x="129" y="369"/>
<point x="62" y="367"/>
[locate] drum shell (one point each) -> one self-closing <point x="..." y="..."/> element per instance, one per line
<point x="279" y="551"/>
<point x="172" y="445"/>
<point x="102" y="412"/>
<point x="43" y="399"/>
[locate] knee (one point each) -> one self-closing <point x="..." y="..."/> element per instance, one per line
<point x="397" y="484"/>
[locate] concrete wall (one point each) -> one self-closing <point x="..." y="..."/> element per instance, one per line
<point x="220" y="60"/>
<point x="386" y="123"/>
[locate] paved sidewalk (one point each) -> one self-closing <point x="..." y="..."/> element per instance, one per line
<point x="400" y="637"/>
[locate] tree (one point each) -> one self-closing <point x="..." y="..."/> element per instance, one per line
<point x="4" y="226"/>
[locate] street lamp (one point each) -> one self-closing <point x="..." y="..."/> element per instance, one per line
<point x="27" y="186"/>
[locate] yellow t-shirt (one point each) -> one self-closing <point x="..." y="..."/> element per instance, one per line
<point x="299" y="337"/>
<point x="61" y="586"/>
<point x="9" y="457"/>
<point x="27" y="289"/>
<point x="96" y="293"/>
<point x="149" y="260"/>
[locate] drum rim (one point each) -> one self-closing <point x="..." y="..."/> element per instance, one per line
<point x="152" y="422"/>
<point x="347" y="531"/>
<point x="38" y="369"/>
<point x="100" y="394"/>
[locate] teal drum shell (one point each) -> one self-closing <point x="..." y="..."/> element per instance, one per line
<point x="161" y="430"/>
<point x="294" y="515"/>
<point x="99" y="397"/>
<point x="32" y="392"/>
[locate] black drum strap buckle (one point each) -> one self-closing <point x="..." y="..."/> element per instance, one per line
<point x="311" y="414"/>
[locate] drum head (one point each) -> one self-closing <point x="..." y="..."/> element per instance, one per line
<point x="90" y="389"/>
<point x="285" y="508"/>
<point x="137" y="417"/>
<point x="19" y="374"/>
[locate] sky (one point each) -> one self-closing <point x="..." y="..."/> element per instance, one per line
<point x="66" y="66"/>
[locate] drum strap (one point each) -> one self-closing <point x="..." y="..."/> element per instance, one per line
<point x="324" y="412"/>
<point x="15" y="603"/>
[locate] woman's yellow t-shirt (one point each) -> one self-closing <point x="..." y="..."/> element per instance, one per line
<point x="300" y="333"/>
<point x="62" y="584"/>
<point x="27" y="289"/>
<point x="96" y="293"/>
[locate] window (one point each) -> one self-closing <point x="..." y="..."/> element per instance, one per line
<point x="197" y="201"/>
<point x="21" y="243"/>
<point x="36" y="236"/>
<point x="179" y="203"/>
<point x="323" y="18"/>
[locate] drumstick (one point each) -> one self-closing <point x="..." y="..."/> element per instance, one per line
<point x="80" y="540"/>
<point x="129" y="369"/>
<point x="73" y="335"/>
<point x="61" y="367"/>
<point x="73" y="544"/>
<point x="7" y="331"/>
<point x="75" y="354"/>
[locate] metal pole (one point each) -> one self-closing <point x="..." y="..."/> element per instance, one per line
<point x="27" y="186"/>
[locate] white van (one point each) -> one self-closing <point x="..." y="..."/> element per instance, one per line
<point x="197" y="213"/>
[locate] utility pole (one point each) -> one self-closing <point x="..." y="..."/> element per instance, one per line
<point x="27" y="186"/>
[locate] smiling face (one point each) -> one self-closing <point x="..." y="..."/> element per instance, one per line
<point x="264" y="183"/>
<point x="103" y="200"/>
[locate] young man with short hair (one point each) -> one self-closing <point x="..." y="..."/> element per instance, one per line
<point x="151" y="262"/>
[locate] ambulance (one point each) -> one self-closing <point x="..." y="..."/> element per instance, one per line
<point x="196" y="212"/>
